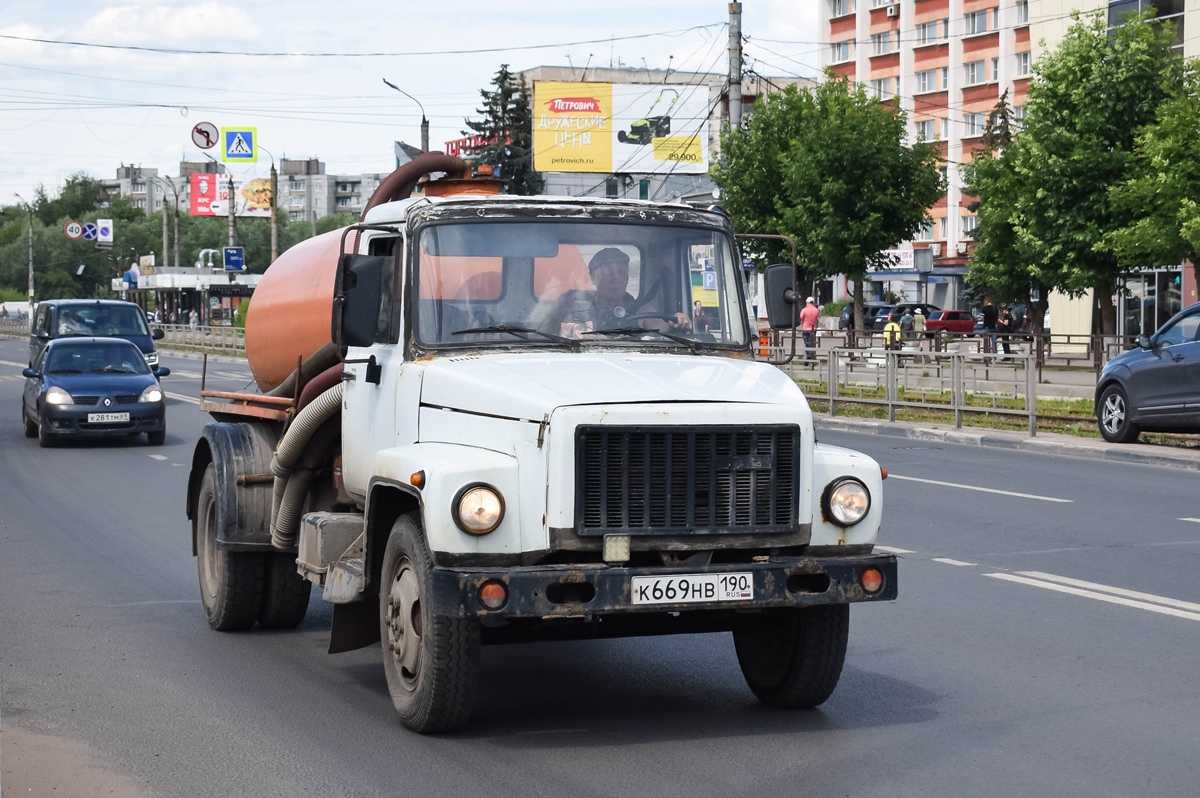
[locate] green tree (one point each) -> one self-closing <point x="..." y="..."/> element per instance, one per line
<point x="1162" y="198"/>
<point x="835" y="173"/>
<point x="1046" y="220"/>
<point x="507" y="127"/>
<point x="78" y="195"/>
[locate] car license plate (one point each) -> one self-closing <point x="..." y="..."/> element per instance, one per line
<point x="692" y="588"/>
<point x="107" y="418"/>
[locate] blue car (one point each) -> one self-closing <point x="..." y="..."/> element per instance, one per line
<point x="1155" y="387"/>
<point x="93" y="386"/>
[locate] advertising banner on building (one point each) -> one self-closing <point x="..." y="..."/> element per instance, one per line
<point x="627" y="128"/>
<point x="210" y="195"/>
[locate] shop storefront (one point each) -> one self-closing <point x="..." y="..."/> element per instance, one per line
<point x="1149" y="299"/>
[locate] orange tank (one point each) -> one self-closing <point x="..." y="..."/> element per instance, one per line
<point x="292" y="311"/>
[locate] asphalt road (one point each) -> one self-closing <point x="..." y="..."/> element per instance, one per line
<point x="980" y="680"/>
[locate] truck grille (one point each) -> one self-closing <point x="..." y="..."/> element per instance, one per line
<point x="686" y="480"/>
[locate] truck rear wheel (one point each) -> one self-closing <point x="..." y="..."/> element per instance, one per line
<point x="285" y="593"/>
<point x="793" y="658"/>
<point x="431" y="662"/>
<point x="231" y="582"/>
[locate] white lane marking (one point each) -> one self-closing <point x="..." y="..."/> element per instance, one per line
<point x="11" y="363"/>
<point x="1193" y="520"/>
<point x="1074" y="591"/>
<point x="982" y="490"/>
<point x="949" y="561"/>
<point x="145" y="603"/>
<point x="182" y="397"/>
<point x="1116" y="591"/>
<point x="181" y="465"/>
<point x="159" y="456"/>
<point x="893" y="550"/>
<point x="182" y="373"/>
<point x="12" y="378"/>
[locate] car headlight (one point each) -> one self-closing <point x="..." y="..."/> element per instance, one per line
<point x="846" y="501"/>
<point x="152" y="394"/>
<point x="57" y="396"/>
<point x="478" y="509"/>
<point x="152" y="359"/>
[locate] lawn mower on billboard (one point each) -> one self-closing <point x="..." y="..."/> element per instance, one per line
<point x="645" y="130"/>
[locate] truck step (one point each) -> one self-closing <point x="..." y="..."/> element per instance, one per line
<point x="325" y="538"/>
<point x="344" y="581"/>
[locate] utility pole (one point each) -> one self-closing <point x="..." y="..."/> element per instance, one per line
<point x="274" y="205"/>
<point x="231" y="206"/>
<point x="166" y="244"/>
<point x="735" y="65"/>
<point x="29" y="210"/>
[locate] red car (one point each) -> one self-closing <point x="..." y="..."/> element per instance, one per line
<point x="955" y="321"/>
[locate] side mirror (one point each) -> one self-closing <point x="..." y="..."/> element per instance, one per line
<point x="779" y="287"/>
<point x="158" y="334"/>
<point x="31" y="374"/>
<point x="1143" y="341"/>
<point x="43" y="334"/>
<point x="162" y="371"/>
<point x="357" y="300"/>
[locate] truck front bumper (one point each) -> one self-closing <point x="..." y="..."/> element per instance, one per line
<point x="574" y="591"/>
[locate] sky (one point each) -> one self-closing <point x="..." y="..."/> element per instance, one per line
<point x="65" y="109"/>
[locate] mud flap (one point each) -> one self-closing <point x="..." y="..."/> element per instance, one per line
<point x="355" y="626"/>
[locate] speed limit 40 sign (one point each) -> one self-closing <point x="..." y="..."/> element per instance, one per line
<point x="74" y="230"/>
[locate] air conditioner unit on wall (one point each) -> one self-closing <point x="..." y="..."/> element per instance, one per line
<point x="935" y="250"/>
<point x="893" y="10"/>
<point x="961" y="249"/>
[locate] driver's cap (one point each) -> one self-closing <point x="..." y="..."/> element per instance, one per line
<point x="606" y="256"/>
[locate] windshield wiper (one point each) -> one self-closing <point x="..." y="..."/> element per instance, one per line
<point x="112" y="370"/>
<point x="66" y="371"/>
<point x="515" y="330"/>
<point x="690" y="343"/>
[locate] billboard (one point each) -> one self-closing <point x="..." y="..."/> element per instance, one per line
<point x="635" y="128"/>
<point x="210" y="195"/>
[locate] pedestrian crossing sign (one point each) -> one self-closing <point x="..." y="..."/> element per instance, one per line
<point x="240" y="144"/>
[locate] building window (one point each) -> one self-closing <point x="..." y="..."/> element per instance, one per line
<point x="1024" y="64"/>
<point x="881" y="3"/>
<point x="841" y="52"/>
<point x="1018" y="112"/>
<point x="927" y="81"/>
<point x="881" y="88"/>
<point x="927" y="129"/>
<point x="927" y="32"/>
<point x="643" y="189"/>
<point x="925" y="231"/>
<point x="610" y="187"/>
<point x="995" y="70"/>
<point x="969" y="225"/>
<point x="881" y="43"/>
<point x="942" y="225"/>
<point x="975" y="74"/>
<point x="976" y="22"/>
<point x="1022" y="9"/>
<point x="840" y="7"/>
<point x="974" y="124"/>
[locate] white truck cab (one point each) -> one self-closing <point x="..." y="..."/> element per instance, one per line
<point x="545" y="420"/>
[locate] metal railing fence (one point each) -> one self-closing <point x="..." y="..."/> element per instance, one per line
<point x="213" y="340"/>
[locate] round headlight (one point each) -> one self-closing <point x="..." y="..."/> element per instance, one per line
<point x="152" y="394"/>
<point x="57" y="396"/>
<point x="847" y="502"/>
<point x="478" y="509"/>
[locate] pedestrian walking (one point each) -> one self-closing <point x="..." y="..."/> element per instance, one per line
<point x="699" y="317"/>
<point x="918" y="323"/>
<point x="1005" y="325"/>
<point x="990" y="317"/>
<point x="809" y="318"/>
<point x="907" y="321"/>
<point x="194" y="320"/>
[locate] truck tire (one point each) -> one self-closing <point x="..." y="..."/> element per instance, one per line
<point x="431" y="662"/>
<point x="793" y="658"/>
<point x="231" y="582"/>
<point x="285" y="593"/>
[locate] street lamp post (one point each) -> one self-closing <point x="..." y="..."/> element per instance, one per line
<point x="424" y="121"/>
<point x="274" y="204"/>
<point x="29" y="209"/>
<point x="175" y="195"/>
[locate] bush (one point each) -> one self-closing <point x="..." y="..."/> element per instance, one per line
<point x="239" y="319"/>
<point x="833" y="309"/>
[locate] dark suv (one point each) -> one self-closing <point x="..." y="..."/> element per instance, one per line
<point x="897" y="311"/>
<point x="101" y="318"/>
<point x="1156" y="386"/>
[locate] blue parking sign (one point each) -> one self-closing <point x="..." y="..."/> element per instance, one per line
<point x="235" y="259"/>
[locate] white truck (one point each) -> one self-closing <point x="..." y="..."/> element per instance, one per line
<point x="487" y="418"/>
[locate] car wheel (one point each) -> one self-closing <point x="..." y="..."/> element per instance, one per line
<point x="793" y="658"/>
<point x="157" y="438"/>
<point x="31" y="428"/>
<point x="431" y="662"/>
<point x="46" y="438"/>
<point x="1114" y="414"/>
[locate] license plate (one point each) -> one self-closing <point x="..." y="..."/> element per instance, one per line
<point x="107" y="418"/>
<point x="692" y="588"/>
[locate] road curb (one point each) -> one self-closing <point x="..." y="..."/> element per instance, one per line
<point x="1038" y="445"/>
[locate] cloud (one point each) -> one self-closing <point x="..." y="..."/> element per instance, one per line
<point x="157" y="24"/>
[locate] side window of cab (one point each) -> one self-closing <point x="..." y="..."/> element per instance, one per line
<point x="1181" y="332"/>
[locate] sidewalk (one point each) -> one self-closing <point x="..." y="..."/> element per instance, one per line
<point x="1044" y="443"/>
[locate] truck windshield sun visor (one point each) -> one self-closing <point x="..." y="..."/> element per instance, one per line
<point x="545" y="283"/>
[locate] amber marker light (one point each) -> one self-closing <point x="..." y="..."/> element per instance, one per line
<point x="884" y="472"/>
<point x="872" y="580"/>
<point x="493" y="595"/>
<point x="417" y="479"/>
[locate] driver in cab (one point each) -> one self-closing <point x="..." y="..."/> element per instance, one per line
<point x="611" y="306"/>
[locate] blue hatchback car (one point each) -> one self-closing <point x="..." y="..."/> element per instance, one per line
<point x="1155" y="387"/>
<point x="93" y="386"/>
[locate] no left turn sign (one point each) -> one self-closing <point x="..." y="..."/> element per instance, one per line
<point x="204" y="135"/>
<point x="74" y="230"/>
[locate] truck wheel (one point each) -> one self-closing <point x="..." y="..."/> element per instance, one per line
<point x="285" y="593"/>
<point x="793" y="658"/>
<point x="431" y="662"/>
<point x="231" y="582"/>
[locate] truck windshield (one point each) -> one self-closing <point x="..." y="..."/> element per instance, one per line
<point x="550" y="283"/>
